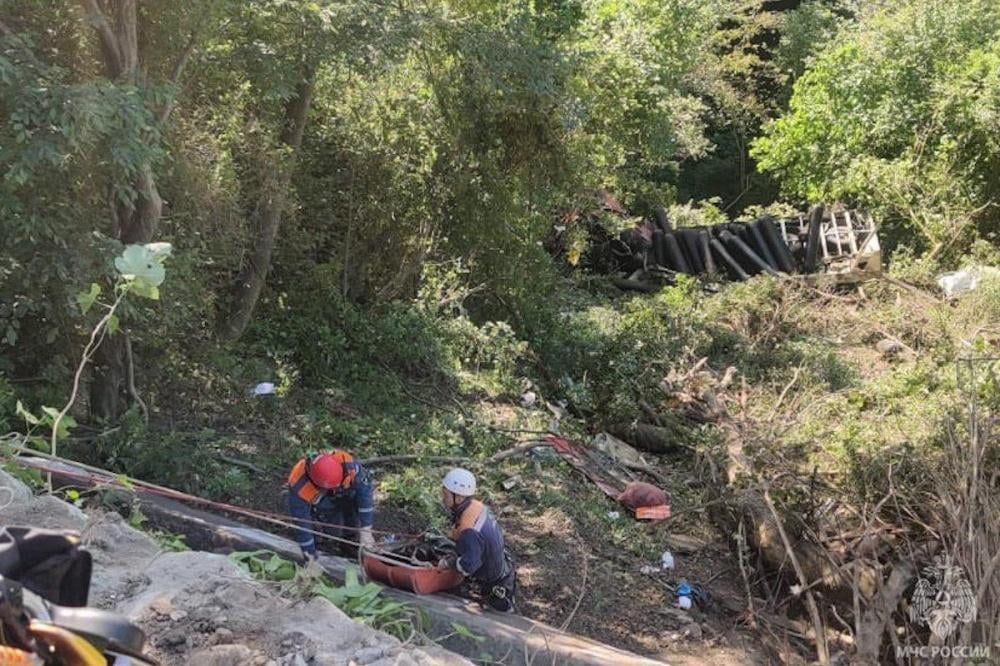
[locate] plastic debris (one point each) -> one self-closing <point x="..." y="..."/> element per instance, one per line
<point x="614" y="515"/>
<point x="647" y="570"/>
<point x="616" y="449"/>
<point x="667" y="560"/>
<point x="683" y="595"/>
<point x="264" y="388"/>
<point x="528" y="399"/>
<point x="957" y="282"/>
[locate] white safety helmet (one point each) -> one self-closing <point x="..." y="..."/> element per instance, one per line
<point x="460" y="481"/>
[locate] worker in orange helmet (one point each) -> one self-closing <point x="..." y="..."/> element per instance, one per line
<point x="480" y="552"/>
<point x="331" y="488"/>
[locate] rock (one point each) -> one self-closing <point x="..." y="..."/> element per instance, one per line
<point x="369" y="655"/>
<point x="161" y="607"/>
<point x="222" y="655"/>
<point x="14" y="491"/>
<point x="889" y="347"/>
<point x="45" y="511"/>
<point x="180" y="599"/>
<point x="223" y="635"/>
<point x="692" y="632"/>
<point x="173" y="638"/>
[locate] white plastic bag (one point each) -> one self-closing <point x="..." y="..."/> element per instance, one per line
<point x="957" y="282"/>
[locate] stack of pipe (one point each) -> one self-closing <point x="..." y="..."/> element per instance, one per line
<point x="739" y="250"/>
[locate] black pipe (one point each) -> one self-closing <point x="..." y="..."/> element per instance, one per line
<point x="812" y="245"/>
<point x="732" y="267"/>
<point x="780" y="250"/>
<point x="704" y="246"/>
<point x="752" y="256"/>
<point x="661" y="219"/>
<point x="761" y="246"/>
<point x="675" y="256"/>
<point x="728" y="239"/>
<point x="659" y="258"/>
<point x="688" y="240"/>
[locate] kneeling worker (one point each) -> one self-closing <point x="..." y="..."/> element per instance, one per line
<point x="479" y="544"/>
<point x="331" y="488"/>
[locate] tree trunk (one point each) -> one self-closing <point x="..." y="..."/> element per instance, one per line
<point x="117" y="27"/>
<point x="252" y="278"/>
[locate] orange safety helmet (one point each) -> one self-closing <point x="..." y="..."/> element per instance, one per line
<point x="326" y="470"/>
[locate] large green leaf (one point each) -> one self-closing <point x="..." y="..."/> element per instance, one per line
<point x="139" y="263"/>
<point x="86" y="299"/>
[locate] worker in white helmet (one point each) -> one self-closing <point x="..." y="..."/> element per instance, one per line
<point x="480" y="552"/>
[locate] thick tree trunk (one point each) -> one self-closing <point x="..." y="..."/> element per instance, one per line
<point x="252" y="278"/>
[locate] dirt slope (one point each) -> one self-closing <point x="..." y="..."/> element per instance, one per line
<point x="201" y="609"/>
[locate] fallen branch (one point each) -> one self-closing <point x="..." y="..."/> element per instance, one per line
<point x="911" y="288"/>
<point x="583" y="593"/>
<point x="781" y="398"/>
<point x="523" y="447"/>
<point x="822" y="651"/>
<point x="645" y="469"/>
<point x="242" y="463"/>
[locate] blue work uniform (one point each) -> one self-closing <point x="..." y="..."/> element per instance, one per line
<point x="482" y="554"/>
<point x="350" y="505"/>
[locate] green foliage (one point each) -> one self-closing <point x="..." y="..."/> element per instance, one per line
<point x="361" y="601"/>
<point x="265" y="564"/>
<point x="416" y="490"/>
<point x="169" y="541"/>
<point x="608" y="357"/>
<point x="900" y="116"/>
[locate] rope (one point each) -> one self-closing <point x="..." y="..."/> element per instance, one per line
<point x="99" y="477"/>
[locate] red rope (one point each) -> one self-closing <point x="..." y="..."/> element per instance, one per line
<point x="169" y="493"/>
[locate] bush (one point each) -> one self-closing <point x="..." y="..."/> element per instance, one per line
<point x="899" y="116"/>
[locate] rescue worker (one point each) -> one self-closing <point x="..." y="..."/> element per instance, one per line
<point x="480" y="553"/>
<point x="331" y="488"/>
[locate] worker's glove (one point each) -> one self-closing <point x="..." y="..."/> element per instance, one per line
<point x="309" y="555"/>
<point x="447" y="562"/>
<point x="366" y="538"/>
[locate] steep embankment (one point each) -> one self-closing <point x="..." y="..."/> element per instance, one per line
<point x="201" y="609"/>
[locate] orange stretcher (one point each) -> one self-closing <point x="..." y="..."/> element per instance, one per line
<point x="419" y="579"/>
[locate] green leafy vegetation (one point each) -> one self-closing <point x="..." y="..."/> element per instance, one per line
<point x="361" y="601"/>
<point x="360" y="198"/>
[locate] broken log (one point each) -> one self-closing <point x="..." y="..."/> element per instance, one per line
<point x="651" y="438"/>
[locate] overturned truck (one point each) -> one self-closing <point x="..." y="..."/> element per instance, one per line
<point x="834" y="242"/>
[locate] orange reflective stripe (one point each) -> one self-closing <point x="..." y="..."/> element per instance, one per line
<point x="300" y="484"/>
<point x="468" y="519"/>
<point x="297" y="472"/>
<point x="345" y="457"/>
<point x="660" y="512"/>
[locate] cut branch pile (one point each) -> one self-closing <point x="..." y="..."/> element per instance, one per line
<point x="838" y="560"/>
